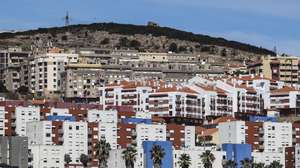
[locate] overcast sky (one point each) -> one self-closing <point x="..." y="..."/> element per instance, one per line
<point x="265" y="23"/>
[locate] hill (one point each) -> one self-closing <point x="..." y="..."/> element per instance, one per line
<point x="145" y="38"/>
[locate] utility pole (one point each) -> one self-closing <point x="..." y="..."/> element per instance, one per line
<point x="67" y="19"/>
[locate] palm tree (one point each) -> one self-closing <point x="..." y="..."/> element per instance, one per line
<point x="275" y="164"/>
<point x="102" y="153"/>
<point x="129" y="155"/>
<point x="184" y="160"/>
<point x="207" y="159"/>
<point x="157" y="155"/>
<point x="247" y="163"/>
<point x="258" y="165"/>
<point x="67" y="159"/>
<point x="84" y="159"/>
<point x="229" y="164"/>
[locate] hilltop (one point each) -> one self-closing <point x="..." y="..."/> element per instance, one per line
<point x="140" y="37"/>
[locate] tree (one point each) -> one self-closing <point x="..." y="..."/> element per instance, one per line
<point x="229" y="164"/>
<point x="207" y="159"/>
<point x="258" y="165"/>
<point x="102" y="152"/>
<point x="67" y="159"/>
<point x="84" y="159"/>
<point x="124" y="42"/>
<point x="184" y="161"/>
<point x="157" y="155"/>
<point x="23" y="90"/>
<point x="135" y="44"/>
<point x="247" y="163"/>
<point x="105" y="41"/>
<point x="3" y="88"/>
<point x="275" y="164"/>
<point x="173" y="47"/>
<point x="182" y="49"/>
<point x="224" y="52"/>
<point x="129" y="155"/>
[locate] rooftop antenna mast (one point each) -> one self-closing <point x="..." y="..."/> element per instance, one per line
<point x="67" y="19"/>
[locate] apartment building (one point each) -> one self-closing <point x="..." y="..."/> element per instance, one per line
<point x="232" y="132"/>
<point x="45" y="72"/>
<point x="216" y="102"/>
<point x="150" y="132"/>
<point x="14" y="151"/>
<point x="285" y="99"/>
<point x="277" y="136"/>
<point x="268" y="157"/>
<point x="46" y="156"/>
<point x="126" y="93"/>
<point x="13" y="62"/>
<point x="81" y="82"/>
<point x="39" y="133"/>
<point x="72" y="136"/>
<point x="179" y="101"/>
<point x="75" y="141"/>
<point x="24" y="115"/>
<point x="102" y="116"/>
<point x="263" y="136"/>
<point x="2" y="121"/>
<point x="283" y="68"/>
<point x="181" y="136"/>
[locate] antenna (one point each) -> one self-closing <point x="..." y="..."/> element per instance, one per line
<point x="275" y="50"/>
<point x="67" y="19"/>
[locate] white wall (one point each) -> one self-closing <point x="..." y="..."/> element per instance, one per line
<point x="104" y="116"/>
<point x="268" y="157"/>
<point x="47" y="156"/>
<point x="2" y="121"/>
<point x="277" y="136"/>
<point x="232" y="132"/>
<point x="150" y="132"/>
<point x="109" y="132"/>
<point x="75" y="139"/>
<point x="24" y="115"/>
<point x="39" y="132"/>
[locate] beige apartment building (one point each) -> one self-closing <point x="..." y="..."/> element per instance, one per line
<point x="283" y="68"/>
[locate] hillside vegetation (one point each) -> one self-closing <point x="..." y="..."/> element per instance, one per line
<point x="128" y="29"/>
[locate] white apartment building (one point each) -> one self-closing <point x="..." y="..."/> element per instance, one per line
<point x="284" y="98"/>
<point x="103" y="116"/>
<point x="39" y="132"/>
<point x="150" y="132"/>
<point x="75" y="140"/>
<point x="277" y="136"/>
<point x="47" y="156"/>
<point x="126" y="94"/>
<point x="297" y="156"/>
<point x="189" y="137"/>
<point x="268" y="157"/>
<point x="195" y="157"/>
<point x="176" y="101"/>
<point x="216" y="101"/>
<point x="2" y="121"/>
<point x="24" y="115"/>
<point x="232" y="132"/>
<point x="109" y="132"/>
<point x="116" y="160"/>
<point x="45" y="72"/>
